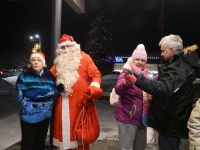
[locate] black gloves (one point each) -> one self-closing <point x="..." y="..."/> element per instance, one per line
<point x="131" y="72"/>
<point x="60" y="87"/>
<point x="14" y="91"/>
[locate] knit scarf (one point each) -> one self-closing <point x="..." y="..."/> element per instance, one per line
<point x="146" y="102"/>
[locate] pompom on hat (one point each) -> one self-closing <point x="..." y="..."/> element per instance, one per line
<point x="140" y="53"/>
<point x="65" y="40"/>
<point x="39" y="55"/>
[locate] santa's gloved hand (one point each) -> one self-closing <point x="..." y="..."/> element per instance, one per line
<point x="60" y="87"/>
<point x="93" y="92"/>
<point x="83" y="101"/>
<point x="144" y="119"/>
<point x="14" y="91"/>
<point x="129" y="78"/>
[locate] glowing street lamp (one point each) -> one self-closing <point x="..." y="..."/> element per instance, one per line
<point x="37" y="37"/>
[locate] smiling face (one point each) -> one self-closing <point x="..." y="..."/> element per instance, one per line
<point x="140" y="63"/>
<point x="37" y="64"/>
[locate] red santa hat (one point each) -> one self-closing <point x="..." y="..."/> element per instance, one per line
<point x="140" y="53"/>
<point x="65" y="40"/>
<point x="39" y="55"/>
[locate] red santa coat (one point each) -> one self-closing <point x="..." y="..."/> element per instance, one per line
<point x="66" y="108"/>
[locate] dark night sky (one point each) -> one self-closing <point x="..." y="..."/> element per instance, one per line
<point x="133" y="22"/>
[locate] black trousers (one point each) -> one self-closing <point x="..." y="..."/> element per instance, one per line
<point x="34" y="135"/>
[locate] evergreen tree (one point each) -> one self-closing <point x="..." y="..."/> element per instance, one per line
<point x="99" y="46"/>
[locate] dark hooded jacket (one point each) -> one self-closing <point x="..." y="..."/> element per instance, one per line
<point x="173" y="95"/>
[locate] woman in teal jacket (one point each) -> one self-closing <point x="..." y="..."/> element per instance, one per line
<point x="35" y="89"/>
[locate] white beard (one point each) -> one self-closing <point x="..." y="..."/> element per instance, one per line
<point x="67" y="63"/>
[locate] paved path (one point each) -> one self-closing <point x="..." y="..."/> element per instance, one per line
<point x="10" y="134"/>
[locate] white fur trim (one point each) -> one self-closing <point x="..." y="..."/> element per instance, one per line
<point x="96" y="84"/>
<point x="66" y="144"/>
<point x="127" y="65"/>
<point x="59" y="144"/>
<point x="39" y="56"/>
<point x="65" y="43"/>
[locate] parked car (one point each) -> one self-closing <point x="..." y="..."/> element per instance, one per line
<point x="108" y="83"/>
<point x="5" y="73"/>
<point x="17" y="72"/>
<point x="12" y="79"/>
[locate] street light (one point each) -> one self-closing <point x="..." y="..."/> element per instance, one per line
<point x="37" y="37"/>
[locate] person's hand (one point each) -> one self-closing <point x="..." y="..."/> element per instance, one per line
<point x="93" y="92"/>
<point x="60" y="87"/>
<point x="14" y="91"/>
<point x="129" y="78"/>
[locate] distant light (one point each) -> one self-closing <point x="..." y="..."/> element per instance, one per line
<point x="150" y="75"/>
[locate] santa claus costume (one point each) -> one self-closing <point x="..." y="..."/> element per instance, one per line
<point x="73" y="68"/>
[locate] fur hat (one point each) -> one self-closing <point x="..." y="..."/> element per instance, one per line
<point x="140" y="53"/>
<point x="65" y="40"/>
<point x="40" y="55"/>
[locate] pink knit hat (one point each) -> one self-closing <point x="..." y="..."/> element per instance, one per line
<point x="140" y="53"/>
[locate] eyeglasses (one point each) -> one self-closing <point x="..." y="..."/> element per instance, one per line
<point x="142" y="60"/>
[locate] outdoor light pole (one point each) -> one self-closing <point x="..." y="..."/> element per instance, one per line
<point x="39" y="38"/>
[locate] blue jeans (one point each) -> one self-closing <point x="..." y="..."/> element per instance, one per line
<point x="168" y="143"/>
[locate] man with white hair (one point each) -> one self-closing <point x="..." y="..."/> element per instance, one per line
<point x="73" y="69"/>
<point x="173" y="92"/>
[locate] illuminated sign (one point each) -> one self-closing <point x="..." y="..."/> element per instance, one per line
<point x="119" y="59"/>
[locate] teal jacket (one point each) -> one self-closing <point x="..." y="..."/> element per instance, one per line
<point x="36" y="95"/>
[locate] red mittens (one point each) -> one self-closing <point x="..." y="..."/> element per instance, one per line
<point x="93" y="92"/>
<point x="90" y="93"/>
<point x="129" y="79"/>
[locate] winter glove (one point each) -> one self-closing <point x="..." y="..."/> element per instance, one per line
<point x="93" y="92"/>
<point x="144" y="119"/>
<point x="129" y="78"/>
<point x="14" y="91"/>
<point x="90" y="93"/>
<point x="60" y="87"/>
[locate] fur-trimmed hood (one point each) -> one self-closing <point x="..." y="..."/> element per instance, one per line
<point x="190" y="56"/>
